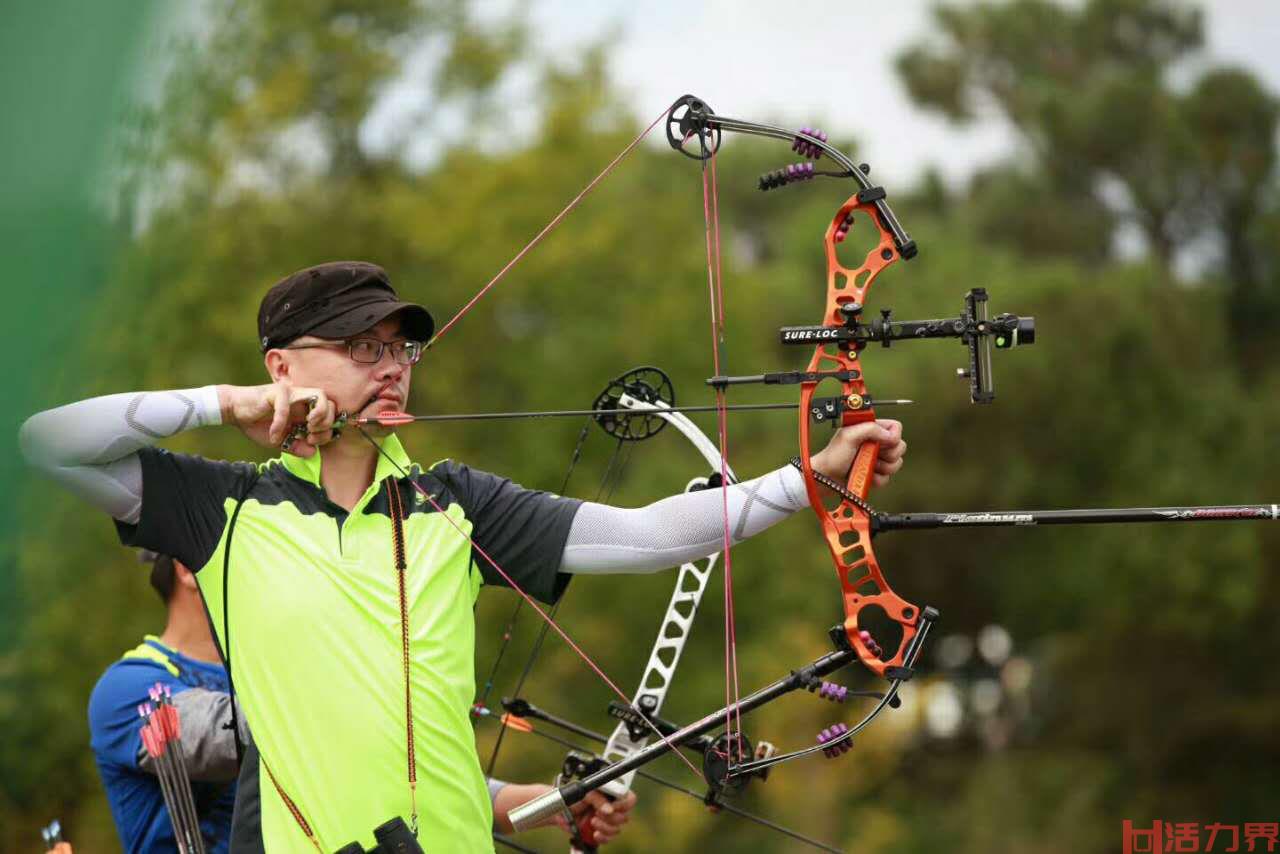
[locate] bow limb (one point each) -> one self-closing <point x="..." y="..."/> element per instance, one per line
<point x="677" y="622"/>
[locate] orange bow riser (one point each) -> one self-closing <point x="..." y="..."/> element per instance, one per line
<point x="847" y="525"/>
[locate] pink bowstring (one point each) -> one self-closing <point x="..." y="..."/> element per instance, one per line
<point x="715" y="292"/>
<point x="545" y="616"/>
<point x="547" y="229"/>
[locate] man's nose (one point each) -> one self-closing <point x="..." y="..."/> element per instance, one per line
<point x="387" y="367"/>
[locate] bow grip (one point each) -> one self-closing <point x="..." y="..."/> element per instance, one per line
<point x="584" y="839"/>
<point x="863" y="468"/>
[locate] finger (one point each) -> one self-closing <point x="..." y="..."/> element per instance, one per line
<point x="280" y="416"/>
<point x="889" y="453"/>
<point x="320" y="429"/>
<point x="888" y="467"/>
<point x="315" y="440"/>
<point x="302" y="447"/>
<point x="865" y="432"/>
<point x="893" y="426"/>
<point x="614" y="820"/>
<point x="322" y="413"/>
<point x="599" y="802"/>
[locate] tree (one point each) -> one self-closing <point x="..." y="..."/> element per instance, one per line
<point x="1109" y="140"/>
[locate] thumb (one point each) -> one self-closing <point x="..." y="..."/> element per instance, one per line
<point x="869" y="431"/>
<point x="892" y="427"/>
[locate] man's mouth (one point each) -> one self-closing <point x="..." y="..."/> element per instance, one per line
<point x="386" y="396"/>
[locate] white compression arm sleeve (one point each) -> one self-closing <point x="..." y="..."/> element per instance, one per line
<point x="91" y="447"/>
<point x="678" y="529"/>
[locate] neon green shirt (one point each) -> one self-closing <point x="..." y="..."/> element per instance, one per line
<point x="314" y="624"/>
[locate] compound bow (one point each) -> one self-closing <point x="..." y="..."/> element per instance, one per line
<point x="882" y="630"/>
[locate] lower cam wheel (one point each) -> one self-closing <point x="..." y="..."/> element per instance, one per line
<point x="724" y="753"/>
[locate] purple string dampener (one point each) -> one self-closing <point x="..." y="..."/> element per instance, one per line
<point x="833" y="692"/>
<point x="832" y="733"/>
<point x="804" y="147"/>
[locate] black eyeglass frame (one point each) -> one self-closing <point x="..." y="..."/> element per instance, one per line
<point x="350" y="345"/>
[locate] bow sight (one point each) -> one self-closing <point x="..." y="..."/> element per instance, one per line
<point x="973" y="327"/>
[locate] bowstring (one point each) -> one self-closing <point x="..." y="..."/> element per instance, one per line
<point x="547" y="229"/>
<point x="509" y="631"/>
<point x="555" y="609"/>
<point x="724" y="806"/>
<point x="717" y="319"/>
<point x="511" y="582"/>
<point x="715" y="292"/>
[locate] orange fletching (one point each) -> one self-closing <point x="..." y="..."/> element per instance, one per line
<point x="516" y="722"/>
<point x="392" y="418"/>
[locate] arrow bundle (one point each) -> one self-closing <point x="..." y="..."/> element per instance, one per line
<point x="162" y="736"/>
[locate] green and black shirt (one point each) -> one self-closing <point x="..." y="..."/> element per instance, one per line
<point x="314" y="621"/>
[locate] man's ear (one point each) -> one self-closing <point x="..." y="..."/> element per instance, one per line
<point x="277" y="364"/>
<point x="184" y="576"/>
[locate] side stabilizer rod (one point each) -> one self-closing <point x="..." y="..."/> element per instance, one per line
<point x="1103" y="516"/>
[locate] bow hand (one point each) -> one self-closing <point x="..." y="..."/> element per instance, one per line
<point x="837" y="457"/>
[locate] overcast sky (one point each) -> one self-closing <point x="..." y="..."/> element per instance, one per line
<point x="827" y="62"/>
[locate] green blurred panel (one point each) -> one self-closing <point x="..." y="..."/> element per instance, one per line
<point x="64" y="69"/>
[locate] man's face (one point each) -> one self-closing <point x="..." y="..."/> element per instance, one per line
<point x="357" y="388"/>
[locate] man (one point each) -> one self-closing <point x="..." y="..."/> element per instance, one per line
<point x="355" y="675"/>
<point x="185" y="659"/>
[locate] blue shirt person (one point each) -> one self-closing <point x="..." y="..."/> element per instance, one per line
<point x="185" y="659"/>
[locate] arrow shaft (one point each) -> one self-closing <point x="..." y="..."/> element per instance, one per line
<point x="571" y="413"/>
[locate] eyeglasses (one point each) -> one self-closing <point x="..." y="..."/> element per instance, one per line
<point x="368" y="351"/>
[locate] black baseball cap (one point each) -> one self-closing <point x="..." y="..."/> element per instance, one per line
<point x="335" y="300"/>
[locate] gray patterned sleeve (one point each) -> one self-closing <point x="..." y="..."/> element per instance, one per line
<point x="91" y="447"/>
<point x="684" y="527"/>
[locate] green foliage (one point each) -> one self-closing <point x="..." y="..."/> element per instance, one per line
<point x="1111" y="141"/>
<point x="1146" y="644"/>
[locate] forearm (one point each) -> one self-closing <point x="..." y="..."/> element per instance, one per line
<point x="681" y="528"/>
<point x="508" y="796"/>
<point x="90" y="447"/>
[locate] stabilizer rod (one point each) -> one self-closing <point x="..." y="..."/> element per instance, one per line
<point x="1104" y="516"/>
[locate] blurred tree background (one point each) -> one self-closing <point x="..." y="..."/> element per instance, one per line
<point x="1079" y="677"/>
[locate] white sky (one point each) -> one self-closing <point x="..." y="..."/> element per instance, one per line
<point x="831" y="64"/>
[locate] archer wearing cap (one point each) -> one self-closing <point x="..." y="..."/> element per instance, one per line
<point x="341" y="576"/>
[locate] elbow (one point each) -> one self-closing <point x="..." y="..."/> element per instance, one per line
<point x="29" y="442"/>
<point x="36" y="443"/>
